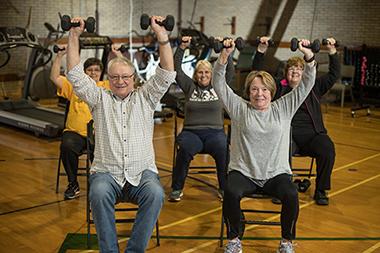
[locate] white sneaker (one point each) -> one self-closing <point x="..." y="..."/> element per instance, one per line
<point x="233" y="246"/>
<point x="285" y="247"/>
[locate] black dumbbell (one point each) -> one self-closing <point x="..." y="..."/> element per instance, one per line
<point x="315" y="46"/>
<point x="218" y="45"/>
<point x="66" y="23"/>
<point x="56" y="49"/>
<point x="297" y="182"/>
<point x="168" y="22"/>
<point x="303" y="185"/>
<point x="258" y="41"/>
<point x="123" y="49"/>
<point x="193" y="43"/>
<point x="325" y="42"/>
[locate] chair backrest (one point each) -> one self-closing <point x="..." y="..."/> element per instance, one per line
<point x="90" y="143"/>
<point x="67" y="108"/>
<point x="245" y="58"/>
<point x="90" y="134"/>
<point x="347" y="72"/>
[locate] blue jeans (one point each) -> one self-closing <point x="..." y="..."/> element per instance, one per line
<point x="105" y="193"/>
<point x="194" y="141"/>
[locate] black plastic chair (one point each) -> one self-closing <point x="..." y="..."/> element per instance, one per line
<point x="305" y="173"/>
<point x="245" y="220"/>
<point x="81" y="170"/>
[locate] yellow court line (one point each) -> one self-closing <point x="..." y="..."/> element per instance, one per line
<point x="354" y="127"/>
<point x="278" y="215"/>
<point x="373" y="248"/>
<point x="354" y="163"/>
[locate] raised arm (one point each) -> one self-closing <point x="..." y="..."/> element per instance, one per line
<point x="231" y="101"/>
<point x="230" y="71"/>
<point x="184" y="81"/>
<point x="290" y="102"/>
<point x="55" y="72"/>
<point x="83" y="85"/>
<point x="73" y="57"/>
<point x="166" y="53"/>
<point x="155" y="87"/>
<point x="258" y="59"/>
<point x="325" y="82"/>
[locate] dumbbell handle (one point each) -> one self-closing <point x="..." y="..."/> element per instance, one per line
<point x="270" y="42"/>
<point x="325" y="41"/>
<point x="56" y="49"/>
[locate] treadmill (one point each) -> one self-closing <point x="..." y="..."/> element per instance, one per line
<point x="24" y="113"/>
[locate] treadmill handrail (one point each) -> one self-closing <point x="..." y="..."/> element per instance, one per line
<point x="11" y="45"/>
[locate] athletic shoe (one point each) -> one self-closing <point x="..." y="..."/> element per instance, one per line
<point x="175" y="196"/>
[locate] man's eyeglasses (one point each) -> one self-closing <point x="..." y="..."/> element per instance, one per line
<point x="124" y="77"/>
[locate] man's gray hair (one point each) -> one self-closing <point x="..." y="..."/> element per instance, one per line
<point x="122" y="60"/>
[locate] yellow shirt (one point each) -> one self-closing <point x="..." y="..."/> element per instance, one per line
<point x="79" y="113"/>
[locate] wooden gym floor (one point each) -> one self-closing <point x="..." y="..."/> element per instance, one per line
<point x="33" y="218"/>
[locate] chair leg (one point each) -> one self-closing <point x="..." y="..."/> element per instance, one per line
<point x="157" y="234"/>
<point x="311" y="167"/>
<point x="88" y="211"/>
<point x="88" y="219"/>
<point x="221" y="232"/>
<point x="342" y="98"/>
<point x="58" y="173"/>
<point x="88" y="235"/>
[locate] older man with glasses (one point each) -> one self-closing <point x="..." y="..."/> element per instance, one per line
<point x="124" y="163"/>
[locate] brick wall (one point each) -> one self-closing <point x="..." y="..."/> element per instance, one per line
<point x="352" y="22"/>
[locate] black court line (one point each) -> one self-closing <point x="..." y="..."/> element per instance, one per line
<point x="40" y="158"/>
<point x="37" y="206"/>
<point x="184" y="237"/>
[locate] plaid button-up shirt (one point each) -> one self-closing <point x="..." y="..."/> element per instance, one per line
<point x="123" y="127"/>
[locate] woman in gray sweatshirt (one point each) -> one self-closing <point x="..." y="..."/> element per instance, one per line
<point x="260" y="144"/>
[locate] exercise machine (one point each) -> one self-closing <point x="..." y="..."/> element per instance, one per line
<point x="24" y="113"/>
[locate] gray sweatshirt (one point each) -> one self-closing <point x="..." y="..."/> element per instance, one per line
<point x="203" y="108"/>
<point x="260" y="139"/>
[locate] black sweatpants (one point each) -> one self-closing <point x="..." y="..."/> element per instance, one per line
<point x="72" y="146"/>
<point x="280" y="186"/>
<point x="321" y="147"/>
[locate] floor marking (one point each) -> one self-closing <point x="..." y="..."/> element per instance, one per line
<point x="373" y="248"/>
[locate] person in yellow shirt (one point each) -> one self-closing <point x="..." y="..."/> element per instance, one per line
<point x="75" y="132"/>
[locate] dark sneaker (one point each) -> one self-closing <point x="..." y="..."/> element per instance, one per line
<point x="285" y="247"/>
<point x="321" y="198"/>
<point x="220" y="194"/>
<point x="175" y="196"/>
<point x="233" y="246"/>
<point x="72" y="191"/>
